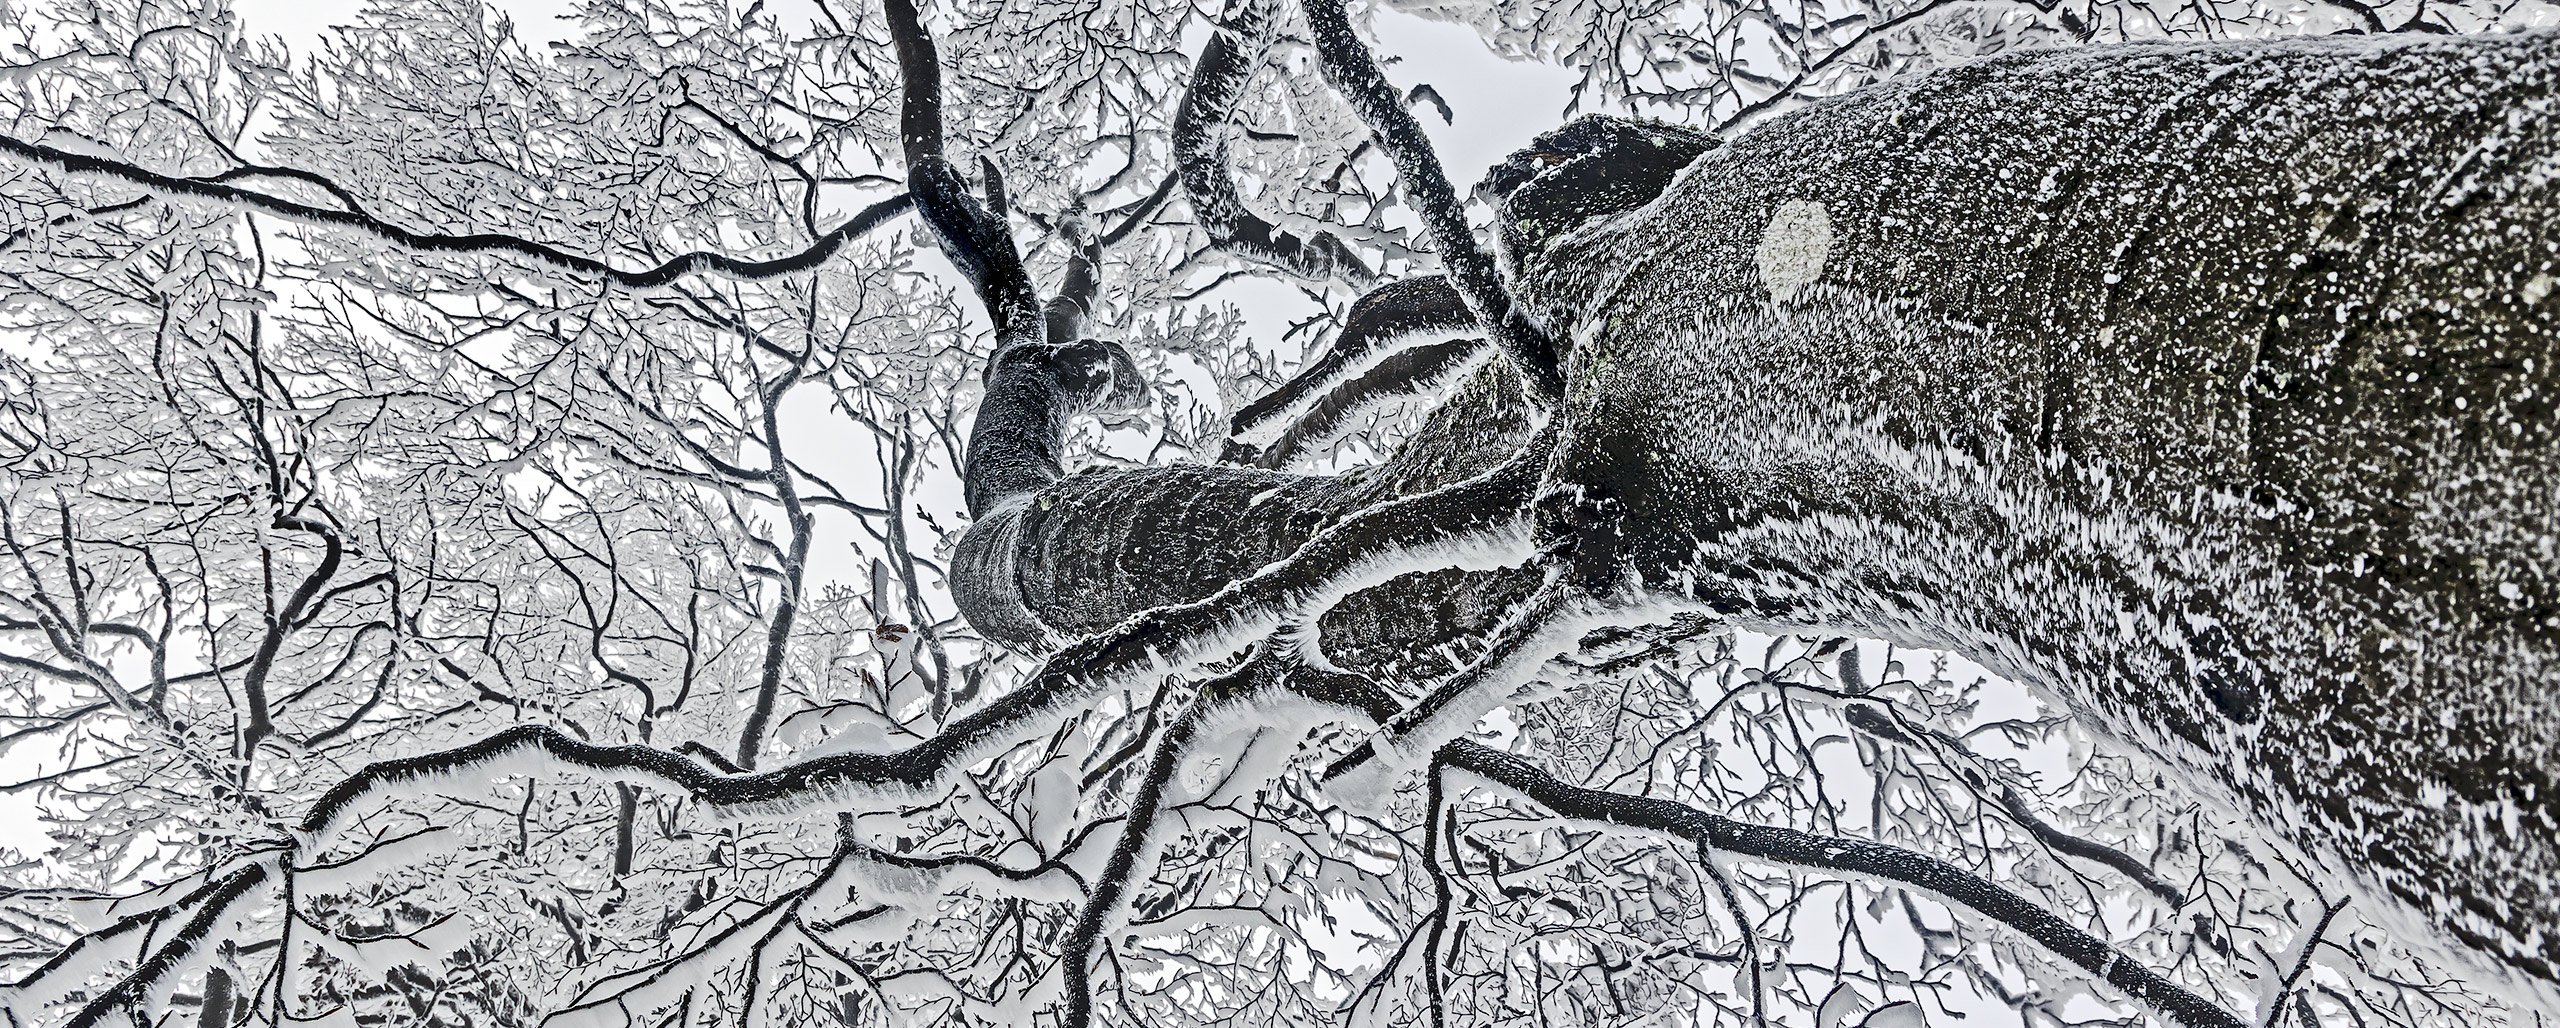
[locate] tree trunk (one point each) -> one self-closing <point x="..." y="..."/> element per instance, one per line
<point x="2209" y="387"/>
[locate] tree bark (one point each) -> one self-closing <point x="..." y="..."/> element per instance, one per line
<point x="2210" y="387"/>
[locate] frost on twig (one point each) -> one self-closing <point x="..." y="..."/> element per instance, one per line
<point x="353" y="218"/>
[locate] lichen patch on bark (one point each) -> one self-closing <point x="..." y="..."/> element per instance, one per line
<point x="1794" y="247"/>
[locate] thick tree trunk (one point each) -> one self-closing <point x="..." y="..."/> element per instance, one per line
<point x="2210" y="387"/>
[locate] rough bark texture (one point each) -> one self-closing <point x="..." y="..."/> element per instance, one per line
<point x="2210" y="387"/>
<point x="1100" y="545"/>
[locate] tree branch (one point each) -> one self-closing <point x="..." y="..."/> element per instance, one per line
<point x="1786" y="846"/>
<point x="1371" y="546"/>
<point x="1075" y="955"/>
<point x="972" y="235"/>
<point x="214" y="905"/>
<point x="494" y="243"/>
<point x="1849" y="856"/>
<point x="1201" y="133"/>
<point x="1348" y="65"/>
<point x="1372" y="333"/>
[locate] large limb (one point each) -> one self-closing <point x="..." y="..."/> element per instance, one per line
<point x="1202" y="129"/>
<point x="1348" y="65"/>
<point x="1104" y="544"/>
<point x="1842" y="253"/>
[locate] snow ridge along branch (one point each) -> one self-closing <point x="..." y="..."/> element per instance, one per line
<point x="1353" y="71"/>
<point x="357" y="219"/>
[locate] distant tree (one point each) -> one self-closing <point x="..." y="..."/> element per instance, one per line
<point x="512" y="537"/>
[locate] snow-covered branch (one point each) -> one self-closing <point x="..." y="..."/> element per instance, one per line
<point x="1372" y="355"/>
<point x="1353" y="71"/>
<point x="354" y="218"/>
<point x="1204" y="126"/>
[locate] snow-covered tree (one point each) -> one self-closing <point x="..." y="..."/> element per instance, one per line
<point x="1901" y="513"/>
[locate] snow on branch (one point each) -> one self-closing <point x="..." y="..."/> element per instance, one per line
<point x="1781" y="845"/>
<point x="146" y="987"/>
<point x="1353" y="71"/>
<point x="1374" y="335"/>
<point x="355" y="218"/>
<point x="1473" y="523"/>
<point x="1877" y="718"/>
<point x="1075" y="955"/>
<point x="1203" y="126"/>
<point x="972" y="232"/>
<point x="662" y="984"/>
<point x="50" y="981"/>
<point x="1404" y="373"/>
<point x="1860" y="858"/>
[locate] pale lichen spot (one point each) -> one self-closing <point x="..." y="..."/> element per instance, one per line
<point x="1794" y="247"/>
<point x="2538" y="288"/>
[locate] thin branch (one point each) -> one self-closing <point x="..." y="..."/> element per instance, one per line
<point x="698" y="262"/>
<point x="1855" y="857"/>
<point x="2302" y="950"/>
<point x="1889" y="726"/>
<point x="1075" y="956"/>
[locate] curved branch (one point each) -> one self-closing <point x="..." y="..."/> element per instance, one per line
<point x="1348" y="65"/>
<point x="698" y="262"/>
<point x="1377" y="324"/>
<point x="972" y="235"/>
<point x="1890" y="727"/>
<point x="1201" y="132"/>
